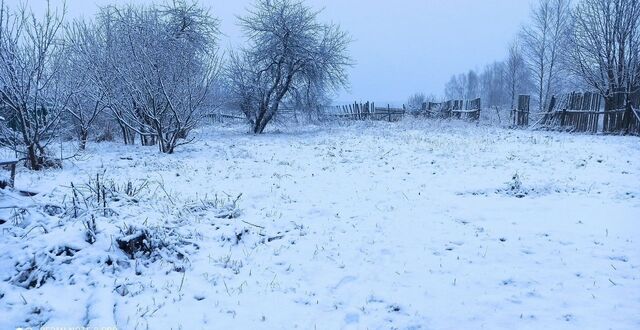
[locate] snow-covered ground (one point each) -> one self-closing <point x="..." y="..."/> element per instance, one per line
<point x="434" y="225"/>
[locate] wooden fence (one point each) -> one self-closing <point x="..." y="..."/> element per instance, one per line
<point x="469" y="109"/>
<point x="520" y="115"/>
<point x="583" y="112"/>
<point x="365" y="111"/>
<point x="460" y="109"/>
<point x="574" y="112"/>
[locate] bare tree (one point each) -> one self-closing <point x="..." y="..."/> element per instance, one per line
<point x="287" y="49"/>
<point x="543" y="41"/>
<point x="165" y="61"/>
<point x="30" y="86"/>
<point x="606" y="47"/>
<point x="452" y="88"/>
<point x="515" y="71"/>
<point x="83" y="75"/>
<point x="456" y="87"/>
<point x="463" y="86"/>
<point x="472" y="88"/>
<point x="494" y="85"/>
<point x="415" y="103"/>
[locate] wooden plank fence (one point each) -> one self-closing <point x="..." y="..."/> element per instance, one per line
<point x="573" y="112"/>
<point x="583" y="112"/>
<point x="365" y="111"/>
<point x="520" y="115"/>
<point x="460" y="109"/>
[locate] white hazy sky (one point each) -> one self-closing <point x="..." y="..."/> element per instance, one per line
<point x="400" y="46"/>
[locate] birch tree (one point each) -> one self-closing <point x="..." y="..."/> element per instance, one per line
<point x="543" y="41"/>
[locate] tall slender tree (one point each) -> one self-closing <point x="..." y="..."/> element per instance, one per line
<point x="543" y="42"/>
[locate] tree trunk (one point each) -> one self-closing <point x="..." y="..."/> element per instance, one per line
<point x="32" y="157"/>
<point x="261" y="120"/>
<point x="84" y="136"/>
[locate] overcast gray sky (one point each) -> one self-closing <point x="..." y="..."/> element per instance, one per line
<point x="400" y="46"/>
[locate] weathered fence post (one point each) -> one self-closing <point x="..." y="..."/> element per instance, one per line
<point x="522" y="111"/>
<point x="389" y="111"/>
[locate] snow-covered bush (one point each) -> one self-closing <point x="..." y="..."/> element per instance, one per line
<point x="514" y="187"/>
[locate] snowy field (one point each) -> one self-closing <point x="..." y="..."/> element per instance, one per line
<point x="410" y="225"/>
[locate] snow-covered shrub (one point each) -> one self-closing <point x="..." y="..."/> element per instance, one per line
<point x="37" y="270"/>
<point x="224" y="208"/>
<point x="150" y="244"/>
<point x="515" y="188"/>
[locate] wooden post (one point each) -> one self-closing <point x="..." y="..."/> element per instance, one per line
<point x="521" y="113"/>
<point x="389" y="112"/>
<point x="12" y="178"/>
<point x="12" y="168"/>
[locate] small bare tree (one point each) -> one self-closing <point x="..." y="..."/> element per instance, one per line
<point x="416" y="103"/>
<point x="30" y="86"/>
<point x="287" y="50"/>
